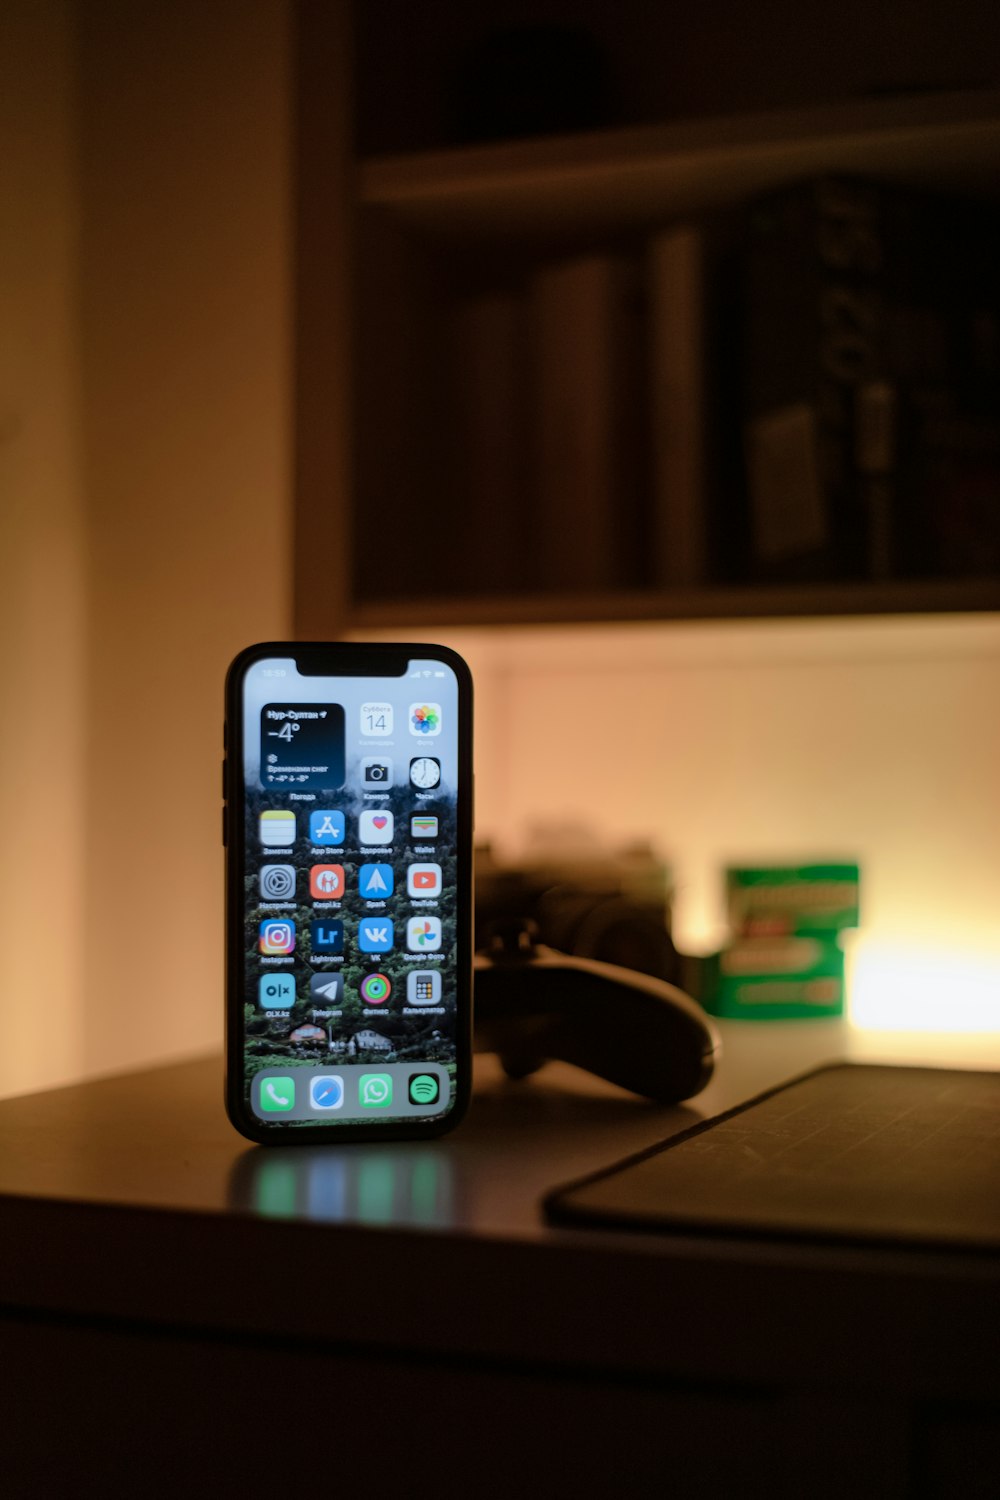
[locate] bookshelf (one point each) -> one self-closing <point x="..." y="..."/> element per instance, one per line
<point x="431" y="229"/>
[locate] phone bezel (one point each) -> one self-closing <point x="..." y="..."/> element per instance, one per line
<point x="355" y="659"/>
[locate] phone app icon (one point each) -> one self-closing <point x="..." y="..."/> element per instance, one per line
<point x="375" y="882"/>
<point x="326" y="938"/>
<point x="423" y="987"/>
<point x="326" y="827"/>
<point x="277" y="1095"/>
<point x="423" y="880"/>
<point x="326" y="882"/>
<point x="277" y="938"/>
<point x="375" y="989"/>
<point x="425" y="772"/>
<point x="375" y="1090"/>
<point x="326" y="989"/>
<point x="276" y="828"/>
<point x="423" y="826"/>
<point x="375" y="826"/>
<point x="276" y="992"/>
<point x="425" y="719"/>
<point x="375" y="935"/>
<point x="277" y="882"/>
<point x="326" y="1091"/>
<point x="424" y="1088"/>
<point x="376" y="771"/>
<point x="423" y="934"/>
<point x="376" y="720"/>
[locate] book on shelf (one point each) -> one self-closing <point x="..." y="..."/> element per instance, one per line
<point x="586" y="383"/>
<point x="489" y="514"/>
<point x="871" y="351"/>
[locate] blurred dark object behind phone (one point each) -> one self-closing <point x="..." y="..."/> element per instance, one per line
<point x="614" y="907"/>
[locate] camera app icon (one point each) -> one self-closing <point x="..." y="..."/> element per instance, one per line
<point x="376" y="770"/>
<point x="277" y="882"/>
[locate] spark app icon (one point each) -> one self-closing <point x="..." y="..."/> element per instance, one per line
<point x="423" y="880"/>
<point x="326" y="827"/>
<point x="277" y="828"/>
<point x="276" y="992"/>
<point x="425" y="719"/>
<point x="423" y="934"/>
<point x="326" y="938"/>
<point x="326" y="882"/>
<point x="277" y="938"/>
<point x="375" y="882"/>
<point x="375" y="826"/>
<point x="375" y="936"/>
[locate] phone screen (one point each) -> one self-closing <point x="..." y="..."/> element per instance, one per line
<point x="349" y="890"/>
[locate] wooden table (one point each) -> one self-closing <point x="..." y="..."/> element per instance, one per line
<point x="181" y="1308"/>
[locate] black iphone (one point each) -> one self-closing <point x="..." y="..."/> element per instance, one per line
<point x="348" y="830"/>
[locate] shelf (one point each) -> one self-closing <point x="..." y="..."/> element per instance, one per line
<point x="630" y="179"/>
<point x="785" y="601"/>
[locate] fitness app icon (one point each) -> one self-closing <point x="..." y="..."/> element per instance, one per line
<point x="375" y="989"/>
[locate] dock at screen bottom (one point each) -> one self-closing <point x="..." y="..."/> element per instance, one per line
<point x="328" y="1095"/>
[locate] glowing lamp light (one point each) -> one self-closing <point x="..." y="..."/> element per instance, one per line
<point x="896" y="986"/>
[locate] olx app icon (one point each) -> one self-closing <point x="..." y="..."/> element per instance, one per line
<point x="276" y="992"/>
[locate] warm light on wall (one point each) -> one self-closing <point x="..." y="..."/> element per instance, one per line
<point x="912" y="986"/>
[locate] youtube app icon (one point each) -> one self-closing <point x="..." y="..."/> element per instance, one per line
<point x="423" y="880"/>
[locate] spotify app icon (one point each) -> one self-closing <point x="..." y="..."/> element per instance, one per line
<point x="424" y="1088"/>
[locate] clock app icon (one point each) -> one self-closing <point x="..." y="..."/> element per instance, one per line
<point x="425" y="771"/>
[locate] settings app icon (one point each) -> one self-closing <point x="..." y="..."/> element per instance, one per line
<point x="277" y="882"/>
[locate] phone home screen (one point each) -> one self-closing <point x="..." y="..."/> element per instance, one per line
<point x="351" y="903"/>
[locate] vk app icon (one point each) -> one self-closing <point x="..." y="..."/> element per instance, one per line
<point x="375" y="882"/>
<point x="326" y="828"/>
<point x="326" y="938"/>
<point x="375" y="935"/>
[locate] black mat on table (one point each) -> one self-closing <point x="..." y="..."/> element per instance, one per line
<point x="852" y="1152"/>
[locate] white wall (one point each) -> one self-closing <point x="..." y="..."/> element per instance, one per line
<point x="876" y="739"/>
<point x="43" y="598"/>
<point x="146" y="407"/>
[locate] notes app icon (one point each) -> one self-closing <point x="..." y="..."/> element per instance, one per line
<point x="277" y="828"/>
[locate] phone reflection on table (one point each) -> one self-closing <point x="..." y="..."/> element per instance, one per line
<point x="375" y="1185"/>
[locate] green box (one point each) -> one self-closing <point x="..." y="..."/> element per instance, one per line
<point x="788" y="900"/>
<point x="771" y="979"/>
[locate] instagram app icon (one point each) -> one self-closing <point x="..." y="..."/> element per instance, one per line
<point x="277" y="937"/>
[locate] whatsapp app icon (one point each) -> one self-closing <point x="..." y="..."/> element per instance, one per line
<point x="375" y="1090"/>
